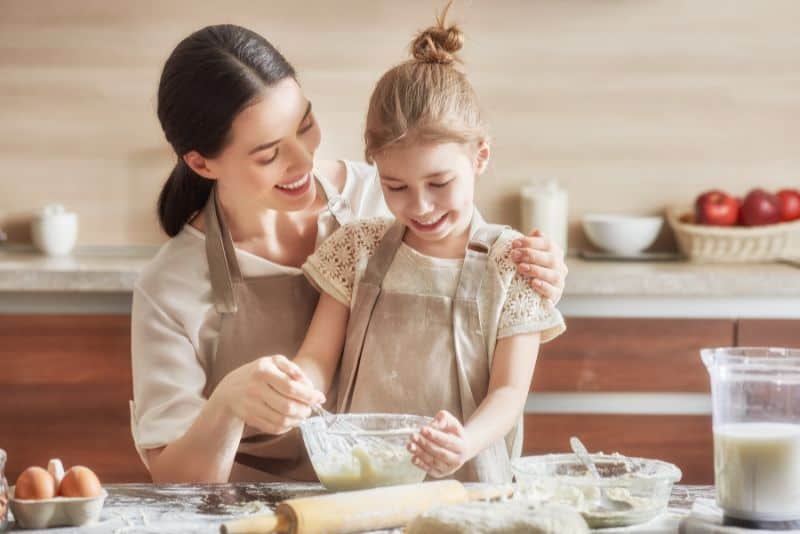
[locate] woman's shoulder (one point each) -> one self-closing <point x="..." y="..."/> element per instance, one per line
<point x="180" y="266"/>
<point x="358" y="183"/>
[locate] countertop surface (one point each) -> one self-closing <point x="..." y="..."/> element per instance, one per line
<point x="140" y="508"/>
<point x="99" y="270"/>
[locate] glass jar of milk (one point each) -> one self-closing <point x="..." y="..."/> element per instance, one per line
<point x="544" y="207"/>
<point x="756" y="418"/>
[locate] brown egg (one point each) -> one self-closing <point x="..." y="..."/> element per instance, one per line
<point x="80" y="481"/>
<point x="35" y="483"/>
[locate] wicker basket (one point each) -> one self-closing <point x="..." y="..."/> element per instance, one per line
<point x="732" y="244"/>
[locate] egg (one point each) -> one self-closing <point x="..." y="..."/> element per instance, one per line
<point x="80" y="481"/>
<point x="35" y="483"/>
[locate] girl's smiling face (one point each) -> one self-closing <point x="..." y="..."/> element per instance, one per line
<point x="430" y="188"/>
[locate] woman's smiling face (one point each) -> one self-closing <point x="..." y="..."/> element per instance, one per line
<point x="270" y="153"/>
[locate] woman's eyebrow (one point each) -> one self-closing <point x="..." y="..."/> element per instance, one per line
<point x="271" y="144"/>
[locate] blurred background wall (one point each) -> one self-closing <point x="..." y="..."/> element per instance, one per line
<point x="632" y="104"/>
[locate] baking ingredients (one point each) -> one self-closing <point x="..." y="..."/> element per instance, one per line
<point x="80" y="481"/>
<point x="579" y="494"/>
<point x="757" y="469"/>
<point x="35" y="483"/>
<point x="509" y="517"/>
<point x="366" y="466"/>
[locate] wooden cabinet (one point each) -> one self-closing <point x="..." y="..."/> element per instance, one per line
<point x="610" y="355"/>
<point x="65" y="383"/>
<point x="768" y="332"/>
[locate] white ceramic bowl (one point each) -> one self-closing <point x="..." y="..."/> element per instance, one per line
<point x="622" y="234"/>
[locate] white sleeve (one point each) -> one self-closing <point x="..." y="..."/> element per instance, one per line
<point x="168" y="379"/>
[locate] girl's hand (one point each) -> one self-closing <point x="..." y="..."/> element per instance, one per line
<point x="441" y="448"/>
<point x="271" y="394"/>
<point x="542" y="262"/>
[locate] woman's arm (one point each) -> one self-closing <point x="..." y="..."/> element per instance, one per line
<point x="267" y="394"/>
<point x="446" y="445"/>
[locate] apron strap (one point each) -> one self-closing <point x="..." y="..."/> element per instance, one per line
<point x="382" y="259"/>
<point x="337" y="204"/>
<point x="491" y="464"/>
<point x="369" y="289"/>
<point x="223" y="267"/>
<point x="476" y="259"/>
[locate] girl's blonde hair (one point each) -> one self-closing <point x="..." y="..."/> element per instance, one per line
<point x="425" y="99"/>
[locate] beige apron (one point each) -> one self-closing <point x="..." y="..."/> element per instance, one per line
<point x="260" y="316"/>
<point x="424" y="353"/>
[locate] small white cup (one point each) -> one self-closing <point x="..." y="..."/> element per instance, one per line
<point x="55" y="230"/>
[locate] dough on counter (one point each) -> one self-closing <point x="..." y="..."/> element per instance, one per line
<point x="508" y="517"/>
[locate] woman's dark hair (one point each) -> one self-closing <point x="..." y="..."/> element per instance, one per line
<point x="207" y="80"/>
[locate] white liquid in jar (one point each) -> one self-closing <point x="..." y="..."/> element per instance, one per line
<point x="757" y="470"/>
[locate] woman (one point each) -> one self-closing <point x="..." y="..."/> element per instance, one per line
<point x="245" y="206"/>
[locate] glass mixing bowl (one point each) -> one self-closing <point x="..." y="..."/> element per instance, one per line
<point x="361" y="451"/>
<point x="561" y="478"/>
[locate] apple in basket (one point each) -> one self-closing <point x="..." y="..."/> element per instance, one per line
<point x="790" y="204"/>
<point x="759" y="208"/>
<point x="716" y="208"/>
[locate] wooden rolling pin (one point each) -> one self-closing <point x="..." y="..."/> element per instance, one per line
<point x="357" y="511"/>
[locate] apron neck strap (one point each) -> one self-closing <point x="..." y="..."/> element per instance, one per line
<point x="382" y="259"/>
<point x="222" y="265"/>
<point x="483" y="237"/>
<point x="337" y="204"/>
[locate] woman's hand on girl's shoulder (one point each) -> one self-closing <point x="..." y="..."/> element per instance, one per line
<point x="541" y="261"/>
<point x="271" y="394"/>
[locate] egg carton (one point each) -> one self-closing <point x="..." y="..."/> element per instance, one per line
<point x="733" y="244"/>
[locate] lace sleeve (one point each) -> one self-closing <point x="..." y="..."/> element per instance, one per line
<point x="333" y="266"/>
<point x="524" y="310"/>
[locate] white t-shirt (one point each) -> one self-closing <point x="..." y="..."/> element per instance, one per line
<point x="175" y="324"/>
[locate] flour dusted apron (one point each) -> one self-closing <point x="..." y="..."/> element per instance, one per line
<point x="410" y="353"/>
<point x="260" y="316"/>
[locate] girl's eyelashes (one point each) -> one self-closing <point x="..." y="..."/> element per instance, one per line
<point x="432" y="184"/>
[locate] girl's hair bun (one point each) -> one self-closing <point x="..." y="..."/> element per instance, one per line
<point x="438" y="44"/>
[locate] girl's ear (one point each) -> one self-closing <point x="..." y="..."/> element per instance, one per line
<point x="482" y="157"/>
<point x="198" y="164"/>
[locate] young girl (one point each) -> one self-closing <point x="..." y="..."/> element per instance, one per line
<point x="428" y="307"/>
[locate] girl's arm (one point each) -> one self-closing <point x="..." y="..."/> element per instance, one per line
<point x="442" y="448"/>
<point x="321" y="351"/>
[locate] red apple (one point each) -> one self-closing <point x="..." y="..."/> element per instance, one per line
<point x="760" y="207"/>
<point x="790" y="204"/>
<point x="716" y="208"/>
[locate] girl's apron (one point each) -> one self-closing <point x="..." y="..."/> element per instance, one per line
<point x="418" y="354"/>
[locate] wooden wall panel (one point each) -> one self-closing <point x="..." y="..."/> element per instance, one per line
<point x="685" y="441"/>
<point x="633" y="105"/>
<point x="769" y="332"/>
<point x="65" y="383"/>
<point x="634" y="355"/>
